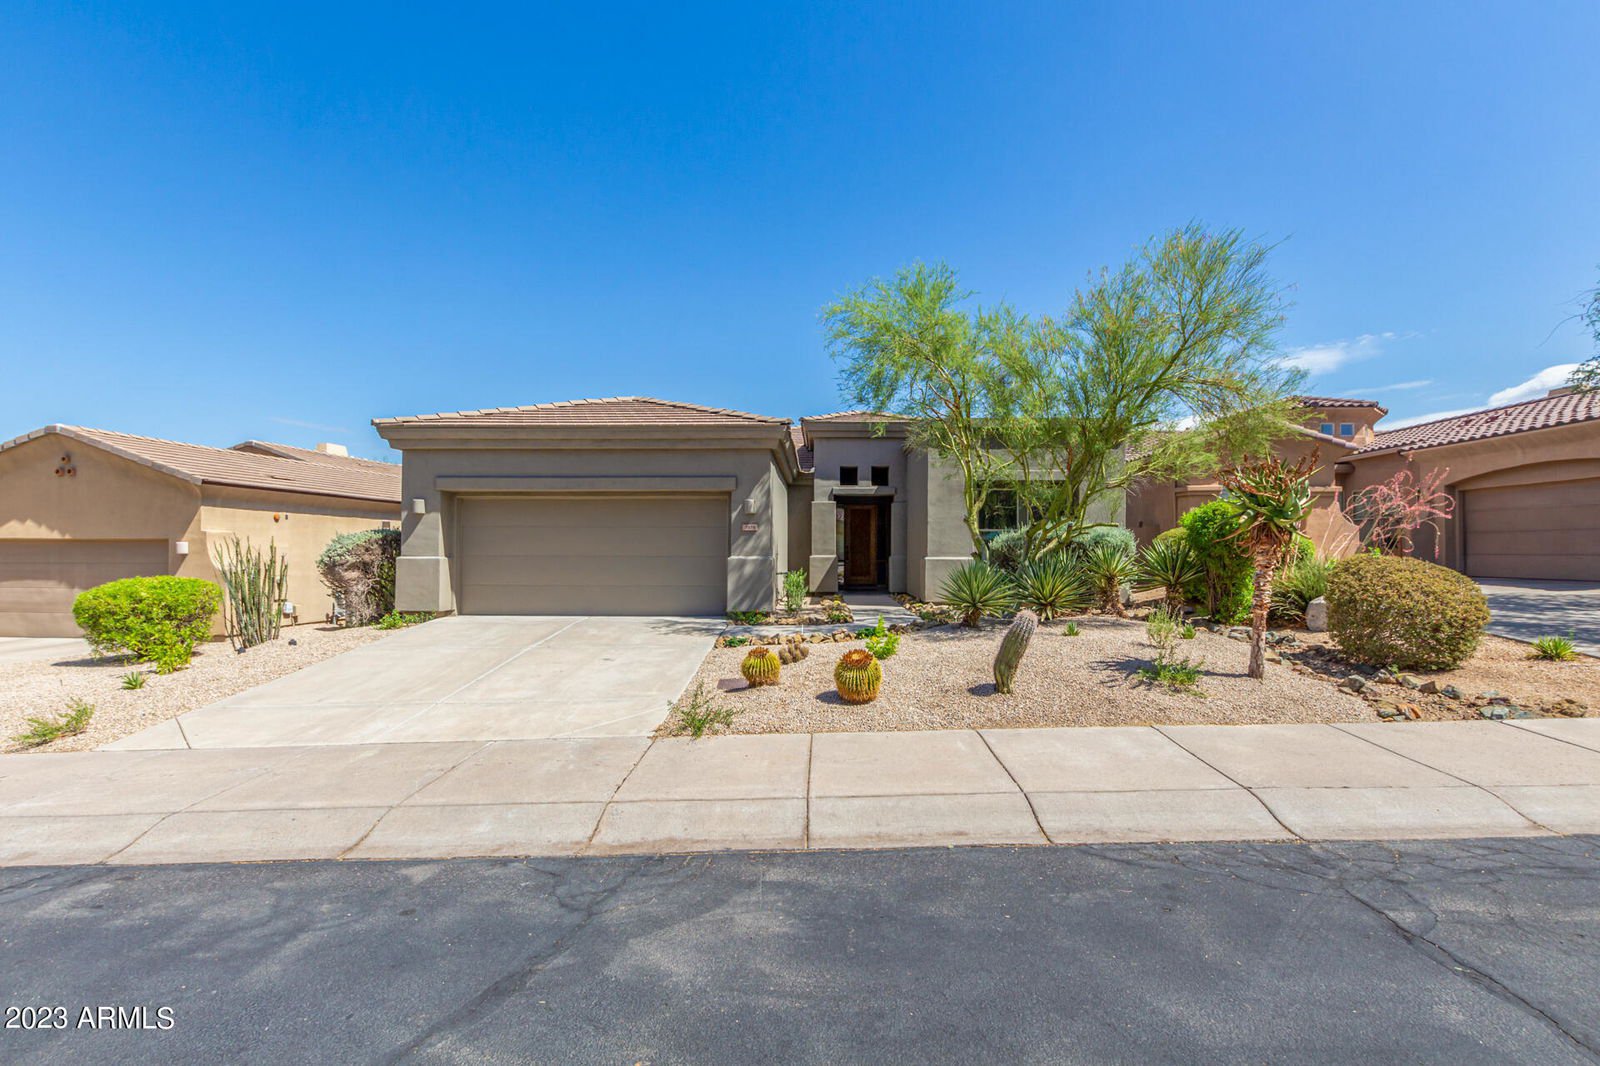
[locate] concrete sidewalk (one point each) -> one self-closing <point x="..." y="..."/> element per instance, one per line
<point x="833" y="790"/>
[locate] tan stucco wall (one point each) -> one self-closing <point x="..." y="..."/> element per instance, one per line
<point x="858" y="448"/>
<point x="425" y="581"/>
<point x="1563" y="453"/>
<point x="299" y="525"/>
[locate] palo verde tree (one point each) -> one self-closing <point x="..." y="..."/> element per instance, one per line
<point x="1272" y="500"/>
<point x="1159" y="370"/>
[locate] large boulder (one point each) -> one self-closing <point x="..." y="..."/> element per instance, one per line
<point x="1317" y="615"/>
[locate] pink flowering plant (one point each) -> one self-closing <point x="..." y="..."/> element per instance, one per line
<point x="1391" y="512"/>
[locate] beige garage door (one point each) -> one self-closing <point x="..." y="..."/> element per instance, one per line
<point x="593" y="555"/>
<point x="39" y="579"/>
<point x="1549" y="531"/>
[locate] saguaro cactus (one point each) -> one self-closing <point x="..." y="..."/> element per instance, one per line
<point x="1012" y="649"/>
<point x="760" y="667"/>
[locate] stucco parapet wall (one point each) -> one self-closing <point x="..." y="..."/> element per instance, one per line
<point x="865" y="428"/>
<point x="580" y="483"/>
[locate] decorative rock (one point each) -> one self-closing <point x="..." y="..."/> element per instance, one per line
<point x="1354" y="683"/>
<point x="1317" y="615"/>
<point x="1388" y="710"/>
<point x="1238" y="633"/>
<point x="1428" y="687"/>
<point x="1493" y="710"/>
<point x="1451" y="691"/>
<point x="1411" y="711"/>
<point x="1409" y="680"/>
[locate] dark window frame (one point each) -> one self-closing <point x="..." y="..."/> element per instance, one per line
<point x="879" y="475"/>
<point x="849" y="475"/>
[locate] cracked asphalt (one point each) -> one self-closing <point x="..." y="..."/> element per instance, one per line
<point x="1457" y="951"/>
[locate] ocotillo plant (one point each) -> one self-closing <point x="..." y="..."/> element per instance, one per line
<point x="254" y="588"/>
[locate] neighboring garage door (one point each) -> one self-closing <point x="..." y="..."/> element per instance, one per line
<point x="1549" y="531"/>
<point x="39" y="579"/>
<point x="593" y="555"/>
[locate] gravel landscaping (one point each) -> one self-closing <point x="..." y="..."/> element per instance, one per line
<point x="43" y="689"/>
<point x="941" y="679"/>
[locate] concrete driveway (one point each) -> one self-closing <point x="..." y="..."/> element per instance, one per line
<point x="42" y="649"/>
<point x="464" y="679"/>
<point x="1528" y="610"/>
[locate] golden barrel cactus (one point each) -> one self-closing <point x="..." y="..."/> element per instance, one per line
<point x="760" y="667"/>
<point x="858" y="676"/>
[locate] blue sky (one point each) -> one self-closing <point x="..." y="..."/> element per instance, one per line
<point x="218" y="224"/>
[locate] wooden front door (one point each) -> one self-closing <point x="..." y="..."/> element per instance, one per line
<point x="861" y="545"/>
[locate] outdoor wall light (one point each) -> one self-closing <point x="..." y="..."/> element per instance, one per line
<point x="180" y="547"/>
<point x="419" y="506"/>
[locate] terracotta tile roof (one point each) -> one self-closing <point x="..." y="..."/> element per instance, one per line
<point x="611" y="411"/>
<point x="1335" y="401"/>
<point x="362" y="479"/>
<point x="803" y="451"/>
<point x="1543" y="413"/>
<point x="857" y="416"/>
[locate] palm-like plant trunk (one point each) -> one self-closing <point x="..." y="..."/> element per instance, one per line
<point x="1266" y="562"/>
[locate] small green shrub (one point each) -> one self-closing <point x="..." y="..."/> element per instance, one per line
<point x="134" y="680"/>
<point x="837" y="612"/>
<point x="44" y="730"/>
<point x="749" y="618"/>
<point x="1297" y="585"/>
<point x="699" y="713"/>
<point x="1404" y="612"/>
<point x="1163" y="629"/>
<point x="358" y="569"/>
<point x="397" y="620"/>
<point x="1008" y="550"/>
<point x="1107" y="568"/>
<point x="1179" y="675"/>
<point x="1555" y="649"/>
<point x="794" y="590"/>
<point x="977" y="589"/>
<point x="1071" y="630"/>
<point x="1092" y="538"/>
<point x="882" y="643"/>
<point x="154" y="619"/>
<point x="1051" y="587"/>
<point x="735" y="642"/>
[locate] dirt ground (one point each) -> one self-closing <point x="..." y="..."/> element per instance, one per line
<point x="941" y="679"/>
<point x="43" y="689"/>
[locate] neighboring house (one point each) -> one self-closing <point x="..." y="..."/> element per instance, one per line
<point x="632" y="505"/>
<point x="1525" y="479"/>
<point x="79" y="507"/>
<point x="1335" y="428"/>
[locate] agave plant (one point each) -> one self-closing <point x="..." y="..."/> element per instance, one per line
<point x="1171" y="565"/>
<point x="1108" y="567"/>
<point x="1272" y="499"/>
<point x="1052" y="587"/>
<point x="976" y="589"/>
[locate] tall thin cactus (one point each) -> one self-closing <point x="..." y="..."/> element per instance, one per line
<point x="254" y="587"/>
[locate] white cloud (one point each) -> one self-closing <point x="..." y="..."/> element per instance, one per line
<point x="1326" y="358"/>
<point x="1398" y="386"/>
<point x="1550" y="377"/>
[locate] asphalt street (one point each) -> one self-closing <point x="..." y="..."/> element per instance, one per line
<point x="1460" y="952"/>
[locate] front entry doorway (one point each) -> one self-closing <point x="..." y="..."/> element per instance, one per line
<point x="864" y="544"/>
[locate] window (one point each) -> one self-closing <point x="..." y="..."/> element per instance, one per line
<point x="848" y="475"/>
<point x="999" y="511"/>
<point x="1347" y="429"/>
<point x="880" y="475"/>
<point x="1327" y="428"/>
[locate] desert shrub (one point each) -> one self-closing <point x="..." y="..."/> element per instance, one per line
<point x="1051" y="587"/>
<point x="1403" y="612"/>
<point x="882" y="643"/>
<point x="358" y="569"/>
<point x="1297" y="585"/>
<point x="1008" y="550"/>
<point x="254" y="588"/>
<point x="1163" y="629"/>
<point x="1226" y="584"/>
<point x="1091" y="538"/>
<point x="44" y="730"/>
<point x="837" y="612"/>
<point x="794" y="590"/>
<point x="1107" y="568"/>
<point x="154" y="619"/>
<point x="396" y="620"/>
<point x="976" y="589"/>
<point x="1555" y="649"/>
<point x="1167" y="562"/>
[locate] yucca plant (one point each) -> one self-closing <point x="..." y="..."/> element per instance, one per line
<point x="254" y="586"/>
<point x="977" y="589"/>
<point x="1052" y="587"/>
<point x="1272" y="500"/>
<point x="1169" y="564"/>
<point x="1107" y="567"/>
<point x="1555" y="649"/>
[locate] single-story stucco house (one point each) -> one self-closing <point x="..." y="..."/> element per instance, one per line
<point x="633" y="505"/>
<point x="79" y="507"/>
<point x="1524" y="479"/>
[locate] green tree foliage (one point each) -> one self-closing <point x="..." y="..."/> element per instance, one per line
<point x="1161" y="369"/>
<point x="1272" y="499"/>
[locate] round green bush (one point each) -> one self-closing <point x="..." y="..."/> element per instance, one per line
<point x="1006" y="550"/>
<point x="1086" y="542"/>
<point x="1395" y="611"/>
<point x="154" y="619"/>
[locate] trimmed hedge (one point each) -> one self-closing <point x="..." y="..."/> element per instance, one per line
<point x="154" y="619"/>
<point x="1388" y="610"/>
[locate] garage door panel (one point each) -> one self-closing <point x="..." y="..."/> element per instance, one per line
<point x="39" y="579"/>
<point x="593" y="555"/>
<point x="1548" y="531"/>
